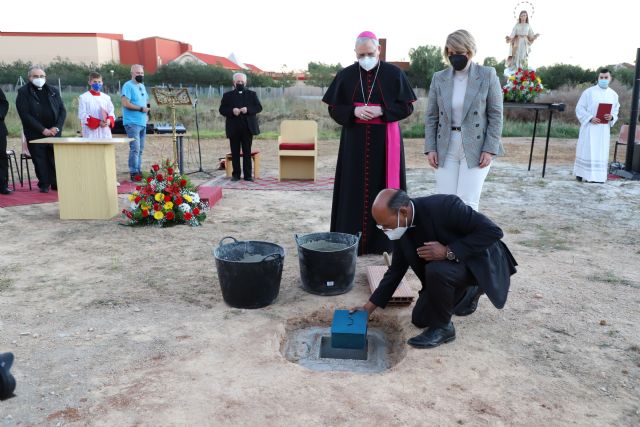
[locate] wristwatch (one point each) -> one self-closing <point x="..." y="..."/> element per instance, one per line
<point x="450" y="255"/>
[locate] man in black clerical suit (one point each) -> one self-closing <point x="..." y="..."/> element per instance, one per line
<point x="368" y="99"/>
<point x="42" y="114"/>
<point x="456" y="253"/>
<point x="240" y="107"/>
<point x="4" y="161"/>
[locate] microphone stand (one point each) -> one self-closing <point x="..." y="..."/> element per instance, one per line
<point x="195" y="108"/>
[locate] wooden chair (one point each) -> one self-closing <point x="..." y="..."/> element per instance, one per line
<point x="255" y="157"/>
<point x="623" y="137"/>
<point x="298" y="149"/>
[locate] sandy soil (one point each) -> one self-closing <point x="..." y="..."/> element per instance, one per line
<point x="114" y="325"/>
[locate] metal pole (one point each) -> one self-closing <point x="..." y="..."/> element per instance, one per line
<point x="634" y="118"/>
<point x="533" y="139"/>
<point x="546" y="146"/>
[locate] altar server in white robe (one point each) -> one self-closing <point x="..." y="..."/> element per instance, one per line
<point x="592" y="151"/>
<point x="95" y="110"/>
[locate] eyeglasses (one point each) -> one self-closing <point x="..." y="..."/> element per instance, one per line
<point x="39" y="77"/>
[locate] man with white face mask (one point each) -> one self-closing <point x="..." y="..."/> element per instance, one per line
<point x="456" y="253"/>
<point x="42" y="114"/>
<point x="367" y="98"/>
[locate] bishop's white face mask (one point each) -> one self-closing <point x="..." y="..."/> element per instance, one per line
<point x="368" y="62"/>
<point x="397" y="232"/>
<point x="38" y="82"/>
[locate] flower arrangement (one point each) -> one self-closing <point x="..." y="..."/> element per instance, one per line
<point x="522" y="86"/>
<point x="164" y="197"/>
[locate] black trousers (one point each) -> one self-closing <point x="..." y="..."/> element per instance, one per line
<point x="241" y="140"/>
<point x="4" y="162"/>
<point x="445" y="283"/>
<point x="44" y="163"/>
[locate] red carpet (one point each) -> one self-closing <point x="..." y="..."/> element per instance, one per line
<point x="22" y="196"/>
<point x="272" y="183"/>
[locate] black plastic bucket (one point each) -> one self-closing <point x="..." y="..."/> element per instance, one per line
<point x="249" y="272"/>
<point x="327" y="262"/>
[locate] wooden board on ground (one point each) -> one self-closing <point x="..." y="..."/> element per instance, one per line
<point x="403" y="294"/>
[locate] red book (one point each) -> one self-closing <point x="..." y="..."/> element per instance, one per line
<point x="602" y="110"/>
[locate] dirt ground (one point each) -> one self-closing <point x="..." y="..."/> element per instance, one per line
<point x="114" y="325"/>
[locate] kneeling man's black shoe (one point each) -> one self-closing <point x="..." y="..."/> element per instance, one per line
<point x="469" y="302"/>
<point x="434" y="336"/>
<point x="5" y="190"/>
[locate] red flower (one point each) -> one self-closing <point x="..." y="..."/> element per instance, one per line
<point x="178" y="200"/>
<point x="149" y="179"/>
<point x="159" y="177"/>
<point x="183" y="182"/>
<point x="145" y="213"/>
<point x="196" y="211"/>
<point x="170" y="178"/>
<point x="170" y="216"/>
<point x="170" y="171"/>
<point x="138" y="187"/>
<point x="137" y="199"/>
<point x="156" y="207"/>
<point x="167" y="198"/>
<point x="155" y="168"/>
<point x="137" y="178"/>
<point x="187" y="216"/>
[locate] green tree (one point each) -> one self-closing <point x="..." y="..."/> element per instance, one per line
<point x="490" y="61"/>
<point x="259" y="80"/>
<point x="191" y="74"/>
<point x="285" y="79"/>
<point x="424" y="61"/>
<point x="558" y="75"/>
<point x="321" y="75"/>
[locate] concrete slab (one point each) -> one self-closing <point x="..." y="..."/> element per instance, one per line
<point x="303" y="347"/>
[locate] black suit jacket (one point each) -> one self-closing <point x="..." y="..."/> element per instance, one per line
<point x="4" y="109"/>
<point x="235" y="124"/>
<point x="30" y="110"/>
<point x="473" y="237"/>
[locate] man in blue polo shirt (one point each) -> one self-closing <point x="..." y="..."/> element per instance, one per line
<point x="134" y="116"/>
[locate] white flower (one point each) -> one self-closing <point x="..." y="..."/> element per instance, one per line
<point x="133" y="205"/>
<point x="185" y="207"/>
<point x="195" y="197"/>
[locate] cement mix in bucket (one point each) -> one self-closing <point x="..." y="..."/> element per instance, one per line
<point x="303" y="347"/>
<point x="324" y="246"/>
<point x="251" y="258"/>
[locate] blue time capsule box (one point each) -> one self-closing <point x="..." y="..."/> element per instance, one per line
<point x="349" y="330"/>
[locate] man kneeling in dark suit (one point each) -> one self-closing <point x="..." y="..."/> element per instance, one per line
<point x="456" y="253"/>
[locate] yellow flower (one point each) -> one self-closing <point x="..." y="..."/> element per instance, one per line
<point x="168" y="206"/>
<point x="187" y="198"/>
<point x="512" y="77"/>
<point x="158" y="215"/>
<point x="131" y="197"/>
<point x="159" y="197"/>
<point x="538" y="79"/>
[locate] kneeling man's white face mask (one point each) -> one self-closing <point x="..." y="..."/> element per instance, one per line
<point x="397" y="232"/>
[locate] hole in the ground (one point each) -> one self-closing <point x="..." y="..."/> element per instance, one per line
<point x="307" y="343"/>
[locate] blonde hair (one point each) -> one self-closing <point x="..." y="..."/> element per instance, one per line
<point x="460" y="41"/>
